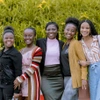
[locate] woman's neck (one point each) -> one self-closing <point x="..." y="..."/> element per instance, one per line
<point x="87" y="38"/>
<point x="30" y="46"/>
<point x="69" y="40"/>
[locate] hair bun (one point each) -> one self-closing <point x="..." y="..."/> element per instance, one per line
<point x="72" y="20"/>
<point x="8" y="28"/>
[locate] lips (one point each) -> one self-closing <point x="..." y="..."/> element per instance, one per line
<point x="9" y="43"/>
<point x="27" y="41"/>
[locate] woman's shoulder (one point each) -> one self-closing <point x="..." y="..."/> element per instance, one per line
<point x="76" y="42"/>
<point x="15" y="52"/>
<point x="41" y="39"/>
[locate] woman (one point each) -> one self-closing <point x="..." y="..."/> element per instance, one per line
<point x="75" y="76"/>
<point x="30" y="67"/>
<point x="50" y="67"/>
<point x="10" y="65"/>
<point x="90" y="43"/>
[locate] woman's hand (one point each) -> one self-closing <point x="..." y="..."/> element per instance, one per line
<point x="16" y="96"/>
<point x="16" y="84"/>
<point x="84" y="84"/>
<point x="84" y="63"/>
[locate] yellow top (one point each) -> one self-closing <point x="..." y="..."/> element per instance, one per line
<point x="77" y="72"/>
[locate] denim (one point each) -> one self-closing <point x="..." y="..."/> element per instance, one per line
<point x="94" y="81"/>
<point x="69" y="93"/>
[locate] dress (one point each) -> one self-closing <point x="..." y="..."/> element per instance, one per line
<point x="26" y="62"/>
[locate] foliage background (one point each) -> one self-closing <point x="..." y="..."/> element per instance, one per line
<point x="21" y="14"/>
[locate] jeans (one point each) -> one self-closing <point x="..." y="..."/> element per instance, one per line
<point x="94" y="81"/>
<point x="69" y="93"/>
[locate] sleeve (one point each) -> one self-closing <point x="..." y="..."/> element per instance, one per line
<point x="81" y="56"/>
<point x="17" y="62"/>
<point x="36" y="59"/>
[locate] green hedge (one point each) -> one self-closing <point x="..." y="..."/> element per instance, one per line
<point x="36" y="13"/>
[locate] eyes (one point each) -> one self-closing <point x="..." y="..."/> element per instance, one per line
<point x="28" y="36"/>
<point x="51" y="29"/>
<point x="71" y="30"/>
<point x="8" y="37"/>
<point x="82" y="27"/>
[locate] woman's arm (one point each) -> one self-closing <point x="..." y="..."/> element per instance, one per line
<point x="81" y="56"/>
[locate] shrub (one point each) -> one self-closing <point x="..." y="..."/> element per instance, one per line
<point x="36" y="13"/>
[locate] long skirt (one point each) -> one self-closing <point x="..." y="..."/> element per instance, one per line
<point x="69" y="93"/>
<point x="52" y="83"/>
<point x="94" y="81"/>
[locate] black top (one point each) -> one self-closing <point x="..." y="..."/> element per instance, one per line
<point x="42" y="43"/>
<point x="65" y="61"/>
<point x="10" y="66"/>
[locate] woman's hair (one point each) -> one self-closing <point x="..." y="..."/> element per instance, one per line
<point x="92" y="28"/>
<point x="55" y="24"/>
<point x="8" y="29"/>
<point x="72" y="20"/>
<point x="33" y="29"/>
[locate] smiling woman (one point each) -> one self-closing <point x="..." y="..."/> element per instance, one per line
<point x="75" y="75"/>
<point x="10" y="65"/>
<point x="30" y="78"/>
<point x="50" y="67"/>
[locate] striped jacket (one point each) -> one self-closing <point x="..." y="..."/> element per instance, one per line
<point x="33" y="75"/>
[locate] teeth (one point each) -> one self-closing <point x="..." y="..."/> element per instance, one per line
<point x="8" y="42"/>
<point x="51" y="34"/>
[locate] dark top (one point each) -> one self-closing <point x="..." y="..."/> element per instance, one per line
<point x="10" y="66"/>
<point x="65" y="61"/>
<point x="42" y="43"/>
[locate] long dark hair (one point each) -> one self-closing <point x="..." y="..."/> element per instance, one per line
<point x="56" y="25"/>
<point x="92" y="28"/>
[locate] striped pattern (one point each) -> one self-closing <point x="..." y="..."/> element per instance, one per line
<point x="33" y="75"/>
<point x="92" y="54"/>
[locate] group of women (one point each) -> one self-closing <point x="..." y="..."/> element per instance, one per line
<point x="60" y="70"/>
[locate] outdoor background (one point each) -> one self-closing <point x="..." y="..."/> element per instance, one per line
<point x="21" y="14"/>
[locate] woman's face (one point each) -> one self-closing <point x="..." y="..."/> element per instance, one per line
<point x="85" y="29"/>
<point x="51" y="31"/>
<point x="8" y="40"/>
<point x="29" y="36"/>
<point x="70" y="31"/>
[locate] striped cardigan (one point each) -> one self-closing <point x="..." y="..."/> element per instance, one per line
<point x="33" y="75"/>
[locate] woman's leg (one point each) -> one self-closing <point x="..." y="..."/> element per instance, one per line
<point x="69" y="92"/>
<point x="94" y="77"/>
<point x="8" y="92"/>
<point x="1" y="94"/>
